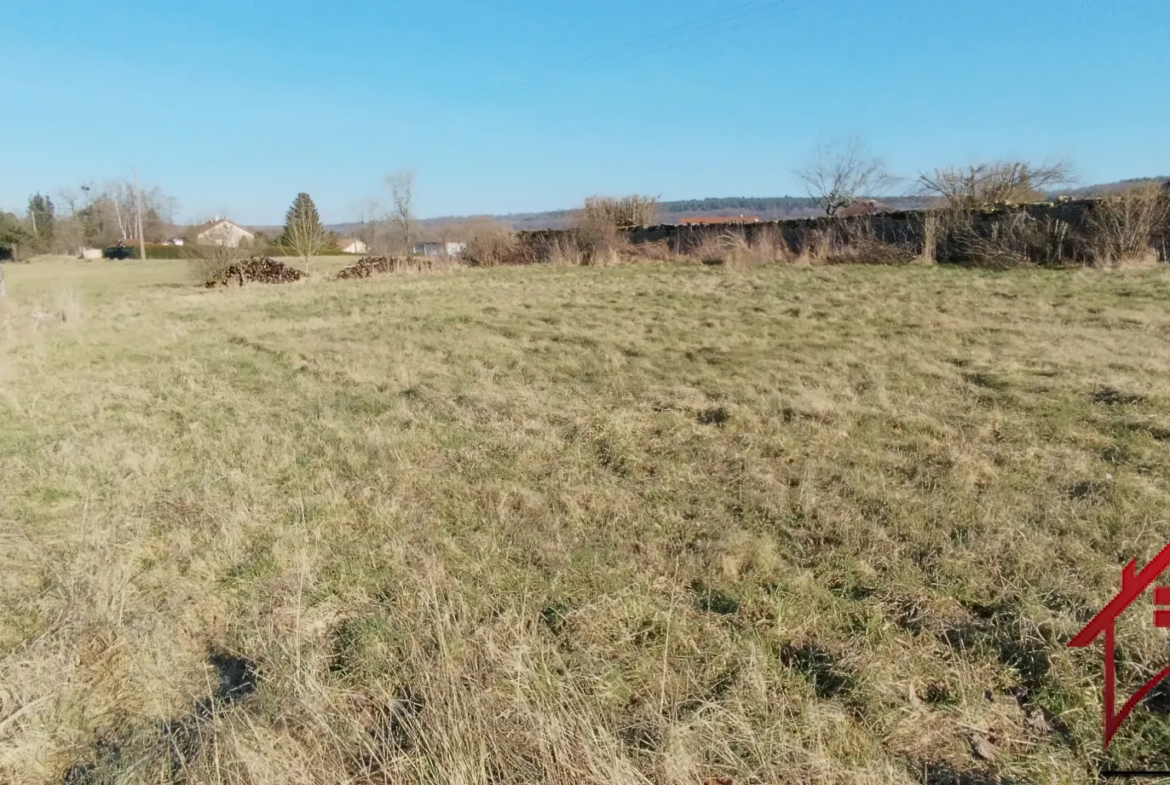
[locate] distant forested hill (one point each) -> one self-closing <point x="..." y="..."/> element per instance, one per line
<point x="1112" y="188"/>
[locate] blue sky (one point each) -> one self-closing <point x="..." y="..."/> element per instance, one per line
<point x="520" y="105"/>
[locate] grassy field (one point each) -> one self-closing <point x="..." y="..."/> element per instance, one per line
<point x="632" y="524"/>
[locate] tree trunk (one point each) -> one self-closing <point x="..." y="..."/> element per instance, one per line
<point x="138" y="216"/>
<point x="118" y="215"/>
<point x="2" y="290"/>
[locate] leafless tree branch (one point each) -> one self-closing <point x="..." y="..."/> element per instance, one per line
<point x="401" y="185"/>
<point x="996" y="182"/>
<point x="841" y="171"/>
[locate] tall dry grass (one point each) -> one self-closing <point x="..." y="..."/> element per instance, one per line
<point x="735" y="248"/>
<point x="564" y="524"/>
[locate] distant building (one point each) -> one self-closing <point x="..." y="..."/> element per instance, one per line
<point x="219" y="231"/>
<point x="743" y="219"/>
<point x="352" y="245"/>
<point x="437" y="249"/>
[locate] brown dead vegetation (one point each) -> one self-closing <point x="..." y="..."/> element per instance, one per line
<point x="1126" y="229"/>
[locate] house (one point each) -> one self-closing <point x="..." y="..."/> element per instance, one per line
<point x="437" y="249"/>
<point x="219" y="231"/>
<point x="862" y="207"/>
<point x="743" y="219"/>
<point x="352" y="245"/>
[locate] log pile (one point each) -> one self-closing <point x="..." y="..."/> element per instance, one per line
<point x="367" y="266"/>
<point x="258" y="269"/>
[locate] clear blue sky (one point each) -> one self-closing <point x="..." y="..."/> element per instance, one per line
<point x="519" y="105"/>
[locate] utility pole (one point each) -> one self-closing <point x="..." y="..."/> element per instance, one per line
<point x="138" y="220"/>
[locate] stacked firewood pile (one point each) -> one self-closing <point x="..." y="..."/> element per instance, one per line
<point x="369" y="265"/>
<point x="258" y="269"/>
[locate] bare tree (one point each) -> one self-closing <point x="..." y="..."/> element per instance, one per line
<point x="128" y="205"/>
<point x="840" y="171"/>
<point x="68" y="228"/>
<point x="213" y="254"/>
<point x="68" y="197"/>
<point x="371" y="225"/>
<point x="401" y="186"/>
<point x="119" y="197"/>
<point x="995" y="183"/>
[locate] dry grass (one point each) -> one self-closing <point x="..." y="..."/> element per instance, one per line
<point x="562" y="524"/>
<point x="734" y="249"/>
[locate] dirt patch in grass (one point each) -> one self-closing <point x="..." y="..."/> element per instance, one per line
<point x="1111" y="396"/>
<point x="714" y="416"/>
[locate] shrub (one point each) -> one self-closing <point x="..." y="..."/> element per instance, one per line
<point x="620" y="212"/>
<point x="597" y="237"/>
<point x="1014" y="239"/>
<point x="994" y="183"/>
<point x="491" y="245"/>
<point x="210" y="262"/>
<point x="1126" y="227"/>
<point x="597" y="227"/>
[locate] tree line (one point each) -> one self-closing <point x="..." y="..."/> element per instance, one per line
<point x="91" y="215"/>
